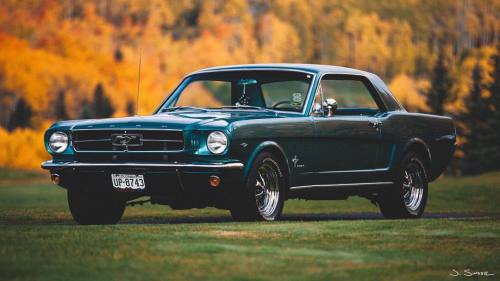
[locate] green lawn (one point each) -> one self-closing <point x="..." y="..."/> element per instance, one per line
<point x="318" y="240"/>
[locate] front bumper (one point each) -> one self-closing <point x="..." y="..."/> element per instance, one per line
<point x="50" y="165"/>
<point x="170" y="181"/>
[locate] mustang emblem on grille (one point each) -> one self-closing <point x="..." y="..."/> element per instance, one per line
<point x="126" y="139"/>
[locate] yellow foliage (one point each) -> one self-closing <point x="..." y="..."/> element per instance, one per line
<point x="280" y="41"/>
<point x="463" y="75"/>
<point x="409" y="92"/>
<point x="22" y="149"/>
<point x="197" y="95"/>
<point x="48" y="47"/>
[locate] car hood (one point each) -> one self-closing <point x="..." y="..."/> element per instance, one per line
<point x="186" y="120"/>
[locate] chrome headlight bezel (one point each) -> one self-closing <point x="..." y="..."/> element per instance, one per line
<point x="217" y="142"/>
<point x="58" y="142"/>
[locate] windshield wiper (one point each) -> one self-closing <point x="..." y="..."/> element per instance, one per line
<point x="175" y="108"/>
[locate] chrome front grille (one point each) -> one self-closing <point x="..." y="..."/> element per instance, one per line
<point x="138" y="140"/>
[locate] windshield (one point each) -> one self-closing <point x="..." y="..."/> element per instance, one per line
<point x="277" y="90"/>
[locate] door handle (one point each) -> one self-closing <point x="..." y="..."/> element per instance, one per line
<point x="374" y="124"/>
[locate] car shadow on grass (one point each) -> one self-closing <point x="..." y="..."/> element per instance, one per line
<point x="212" y="219"/>
<point x="300" y="217"/>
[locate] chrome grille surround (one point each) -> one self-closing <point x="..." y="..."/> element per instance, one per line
<point x="151" y="140"/>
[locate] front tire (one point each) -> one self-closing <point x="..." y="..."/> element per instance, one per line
<point x="88" y="208"/>
<point x="408" y="196"/>
<point x="264" y="194"/>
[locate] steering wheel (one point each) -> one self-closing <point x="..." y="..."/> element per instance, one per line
<point x="280" y="103"/>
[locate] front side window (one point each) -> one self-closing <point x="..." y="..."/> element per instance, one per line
<point x="277" y="90"/>
<point x="352" y="95"/>
<point x="285" y="94"/>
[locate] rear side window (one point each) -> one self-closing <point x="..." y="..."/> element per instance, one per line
<point x="389" y="99"/>
<point x="352" y="95"/>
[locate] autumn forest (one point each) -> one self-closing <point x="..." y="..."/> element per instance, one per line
<point x="76" y="59"/>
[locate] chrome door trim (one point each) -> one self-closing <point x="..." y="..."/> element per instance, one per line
<point x="351" y="171"/>
<point x="342" y="185"/>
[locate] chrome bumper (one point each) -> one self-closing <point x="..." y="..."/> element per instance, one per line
<point x="49" y="165"/>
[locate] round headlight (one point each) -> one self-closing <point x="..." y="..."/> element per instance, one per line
<point x="217" y="142"/>
<point x="58" y="142"/>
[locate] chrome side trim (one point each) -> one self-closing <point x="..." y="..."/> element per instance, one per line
<point x="54" y="165"/>
<point x="350" y="171"/>
<point x="343" y="184"/>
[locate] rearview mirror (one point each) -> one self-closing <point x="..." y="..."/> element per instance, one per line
<point x="247" y="82"/>
<point x="329" y="107"/>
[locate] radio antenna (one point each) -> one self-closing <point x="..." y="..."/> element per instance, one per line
<point x="138" y="83"/>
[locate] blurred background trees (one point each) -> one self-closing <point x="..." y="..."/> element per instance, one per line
<point x="65" y="59"/>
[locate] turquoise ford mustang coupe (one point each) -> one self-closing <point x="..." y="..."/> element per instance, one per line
<point x="246" y="138"/>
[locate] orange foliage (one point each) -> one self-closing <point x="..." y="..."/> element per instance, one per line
<point x="410" y="93"/>
<point x="197" y="95"/>
<point x="53" y="46"/>
<point x="463" y="75"/>
<point x="22" y="149"/>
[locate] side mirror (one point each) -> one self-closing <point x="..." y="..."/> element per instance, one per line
<point x="329" y="107"/>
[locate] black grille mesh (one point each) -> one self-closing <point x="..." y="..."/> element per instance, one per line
<point x="152" y="140"/>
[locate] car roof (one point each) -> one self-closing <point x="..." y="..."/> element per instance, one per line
<point x="386" y="95"/>
<point x="313" y="68"/>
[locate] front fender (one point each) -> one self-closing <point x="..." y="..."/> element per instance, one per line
<point x="266" y="145"/>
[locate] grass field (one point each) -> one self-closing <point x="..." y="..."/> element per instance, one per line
<point x="317" y="240"/>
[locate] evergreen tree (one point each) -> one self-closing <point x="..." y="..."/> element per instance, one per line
<point x="494" y="101"/>
<point x="85" y="112"/>
<point x="118" y="55"/>
<point x="102" y="107"/>
<point x="130" y="108"/>
<point x="495" y="86"/>
<point x="478" y="147"/>
<point x="21" y="116"/>
<point x="441" y="83"/>
<point x="6" y="102"/>
<point x="60" y="107"/>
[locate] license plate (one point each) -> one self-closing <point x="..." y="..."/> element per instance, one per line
<point x="127" y="182"/>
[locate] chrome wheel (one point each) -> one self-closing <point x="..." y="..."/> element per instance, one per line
<point x="267" y="188"/>
<point x="413" y="186"/>
<point x="407" y="198"/>
<point x="263" y="196"/>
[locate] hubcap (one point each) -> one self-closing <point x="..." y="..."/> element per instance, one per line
<point x="413" y="186"/>
<point x="267" y="188"/>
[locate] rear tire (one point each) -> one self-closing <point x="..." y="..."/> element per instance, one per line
<point x="88" y="208"/>
<point x="407" y="198"/>
<point x="264" y="193"/>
